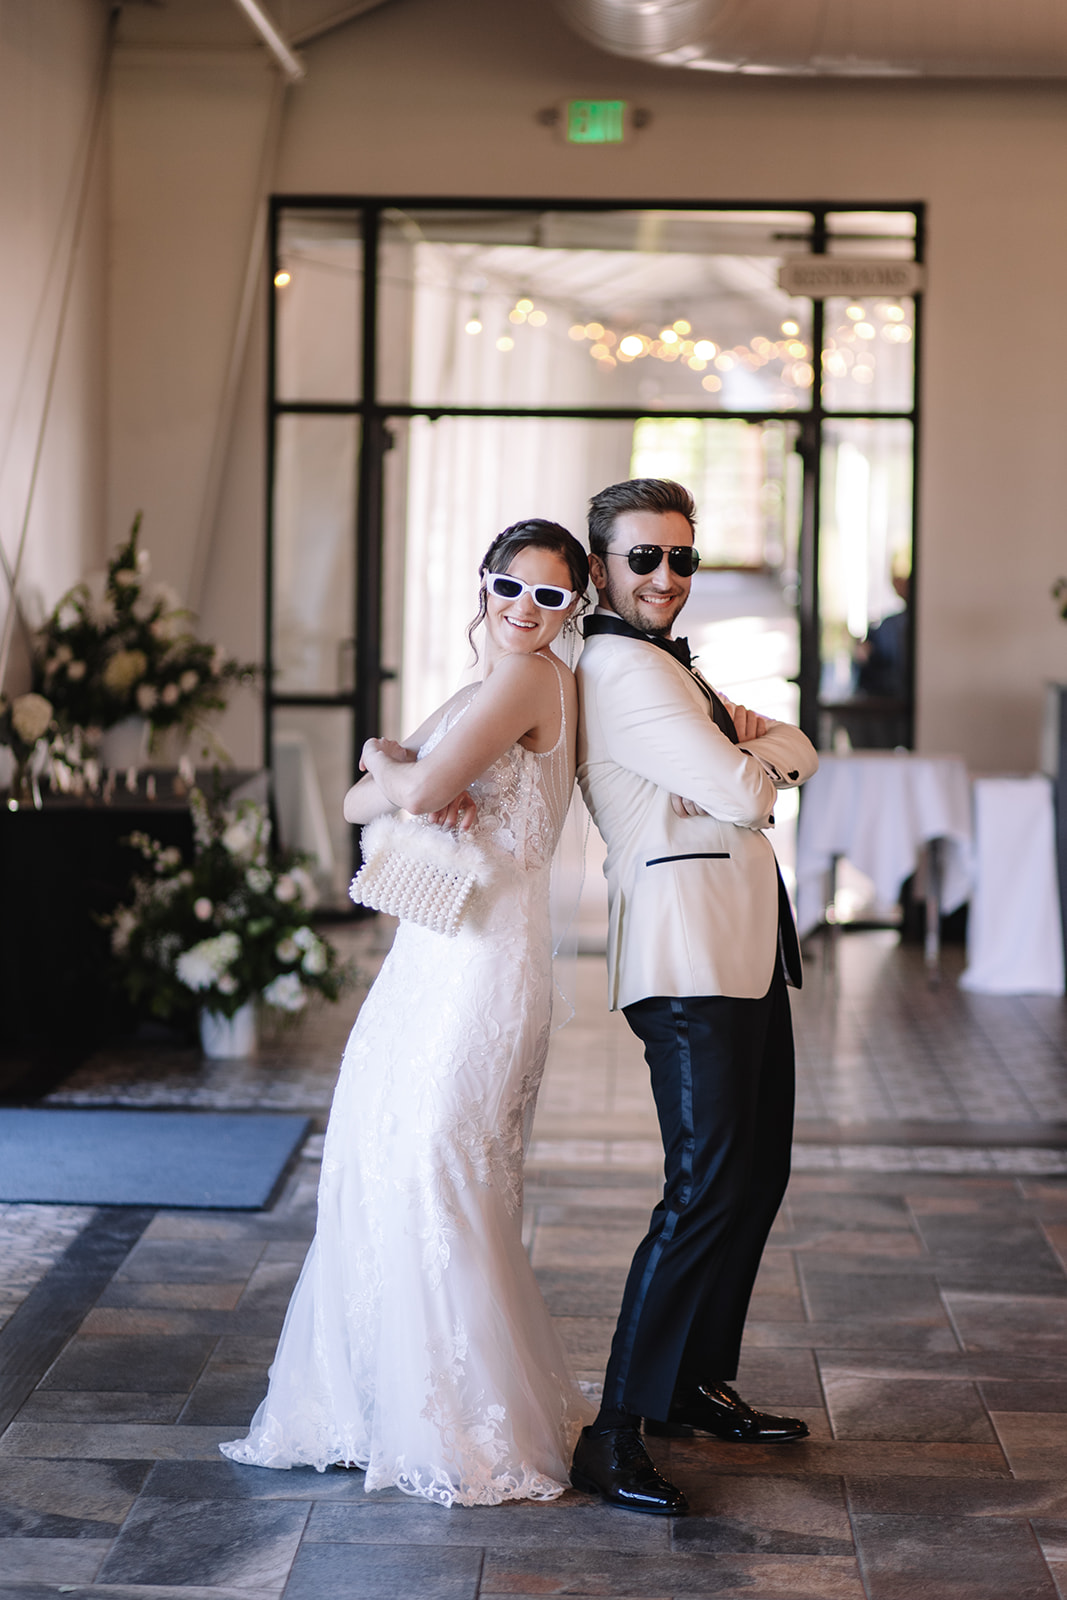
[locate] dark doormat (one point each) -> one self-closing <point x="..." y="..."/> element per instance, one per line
<point x="218" y="1160"/>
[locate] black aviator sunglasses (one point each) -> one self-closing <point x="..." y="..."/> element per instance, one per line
<point x="683" y="559"/>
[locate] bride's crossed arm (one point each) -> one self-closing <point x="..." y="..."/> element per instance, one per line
<point x="519" y="698"/>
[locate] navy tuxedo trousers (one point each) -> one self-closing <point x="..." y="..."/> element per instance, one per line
<point x="723" y="1080"/>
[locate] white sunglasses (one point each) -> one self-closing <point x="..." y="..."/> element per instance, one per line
<point x="546" y="596"/>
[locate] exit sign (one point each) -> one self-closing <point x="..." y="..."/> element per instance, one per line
<point x="596" y="121"/>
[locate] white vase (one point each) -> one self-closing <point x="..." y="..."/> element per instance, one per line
<point x="225" y="1038"/>
<point x="124" y="744"/>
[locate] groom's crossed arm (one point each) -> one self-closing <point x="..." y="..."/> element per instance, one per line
<point x="653" y="724"/>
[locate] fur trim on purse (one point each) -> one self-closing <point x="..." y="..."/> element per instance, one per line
<point x="419" y="873"/>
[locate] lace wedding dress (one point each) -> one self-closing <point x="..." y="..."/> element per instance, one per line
<point x="417" y="1344"/>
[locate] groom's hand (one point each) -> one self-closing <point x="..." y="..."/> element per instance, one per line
<point x="749" y="724"/>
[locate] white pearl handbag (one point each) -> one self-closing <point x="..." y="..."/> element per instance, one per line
<point x="420" y="873"/>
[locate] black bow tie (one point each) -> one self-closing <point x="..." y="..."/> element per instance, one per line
<point x="678" y="648"/>
<point x="599" y="622"/>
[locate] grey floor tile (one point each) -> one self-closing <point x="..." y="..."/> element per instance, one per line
<point x="249" y="1545"/>
<point x="1034" y="1442"/>
<point x="906" y="1408"/>
<point x="385" y="1572"/>
<point x="191" y="1261"/>
<point x="958" y="1497"/>
<point x="816" y="1213"/>
<point x="140" y="1362"/>
<point x="67" y="1499"/>
<point x="577" y="1571"/>
<point x="690" y="1462"/>
<point x="586" y="1340"/>
<point x="226" y="1397"/>
<point x="119" y="1441"/>
<point x="895" y="1297"/>
<point x="858" y="1333"/>
<point x="574" y="1292"/>
<point x="91" y="1405"/>
<point x="1052" y="1537"/>
<point x="518" y="1525"/>
<point x="1044" y="1394"/>
<point x="51" y="1561"/>
<point x="766" y="1515"/>
<point x="982" y="1559"/>
<point x="213" y="1477"/>
<point x="775" y="1379"/>
<point x="1010" y="1322"/>
<point x="270" y="1287"/>
<point x="167" y="1296"/>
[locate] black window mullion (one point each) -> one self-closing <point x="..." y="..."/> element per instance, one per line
<point x="368" y="530"/>
<point x="271" y="452"/>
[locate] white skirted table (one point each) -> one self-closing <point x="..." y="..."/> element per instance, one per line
<point x="886" y="812"/>
<point x="1014" y="930"/>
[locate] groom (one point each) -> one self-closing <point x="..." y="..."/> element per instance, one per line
<point x="701" y="945"/>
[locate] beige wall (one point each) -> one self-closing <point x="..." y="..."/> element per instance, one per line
<point x="50" y="56"/>
<point x="430" y="97"/>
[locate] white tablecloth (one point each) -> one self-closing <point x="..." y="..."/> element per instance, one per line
<point x="1014" y="932"/>
<point x="878" y="809"/>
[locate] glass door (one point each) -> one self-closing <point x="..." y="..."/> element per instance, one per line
<point x="439" y="371"/>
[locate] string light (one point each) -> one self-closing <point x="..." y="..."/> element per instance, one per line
<point x="282" y="278"/>
<point x="674" y="344"/>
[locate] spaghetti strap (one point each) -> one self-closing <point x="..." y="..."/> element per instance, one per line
<point x="541" y="754"/>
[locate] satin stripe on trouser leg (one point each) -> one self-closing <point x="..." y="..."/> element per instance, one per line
<point x="723" y="1080"/>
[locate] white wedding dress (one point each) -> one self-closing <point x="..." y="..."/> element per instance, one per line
<point x="417" y="1345"/>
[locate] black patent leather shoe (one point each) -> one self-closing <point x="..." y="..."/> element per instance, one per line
<point x="616" y="1466"/>
<point x="717" y="1409"/>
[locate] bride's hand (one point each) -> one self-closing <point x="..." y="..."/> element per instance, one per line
<point x="387" y="748"/>
<point x="686" y="808"/>
<point x="461" y="813"/>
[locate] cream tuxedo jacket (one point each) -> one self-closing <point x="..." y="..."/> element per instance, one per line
<point x="693" y="901"/>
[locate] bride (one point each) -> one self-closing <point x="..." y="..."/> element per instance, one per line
<point x="416" y="1344"/>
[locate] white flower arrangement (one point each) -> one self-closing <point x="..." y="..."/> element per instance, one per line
<point x="219" y="932"/>
<point x="286" y="992"/>
<point x="207" y="962"/>
<point x="119" y="645"/>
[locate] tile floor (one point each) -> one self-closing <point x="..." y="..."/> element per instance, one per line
<point x="912" y="1306"/>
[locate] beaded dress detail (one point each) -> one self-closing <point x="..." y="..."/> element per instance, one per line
<point x="417" y="1345"/>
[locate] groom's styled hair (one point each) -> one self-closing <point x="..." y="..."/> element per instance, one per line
<point x="636" y="494"/>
